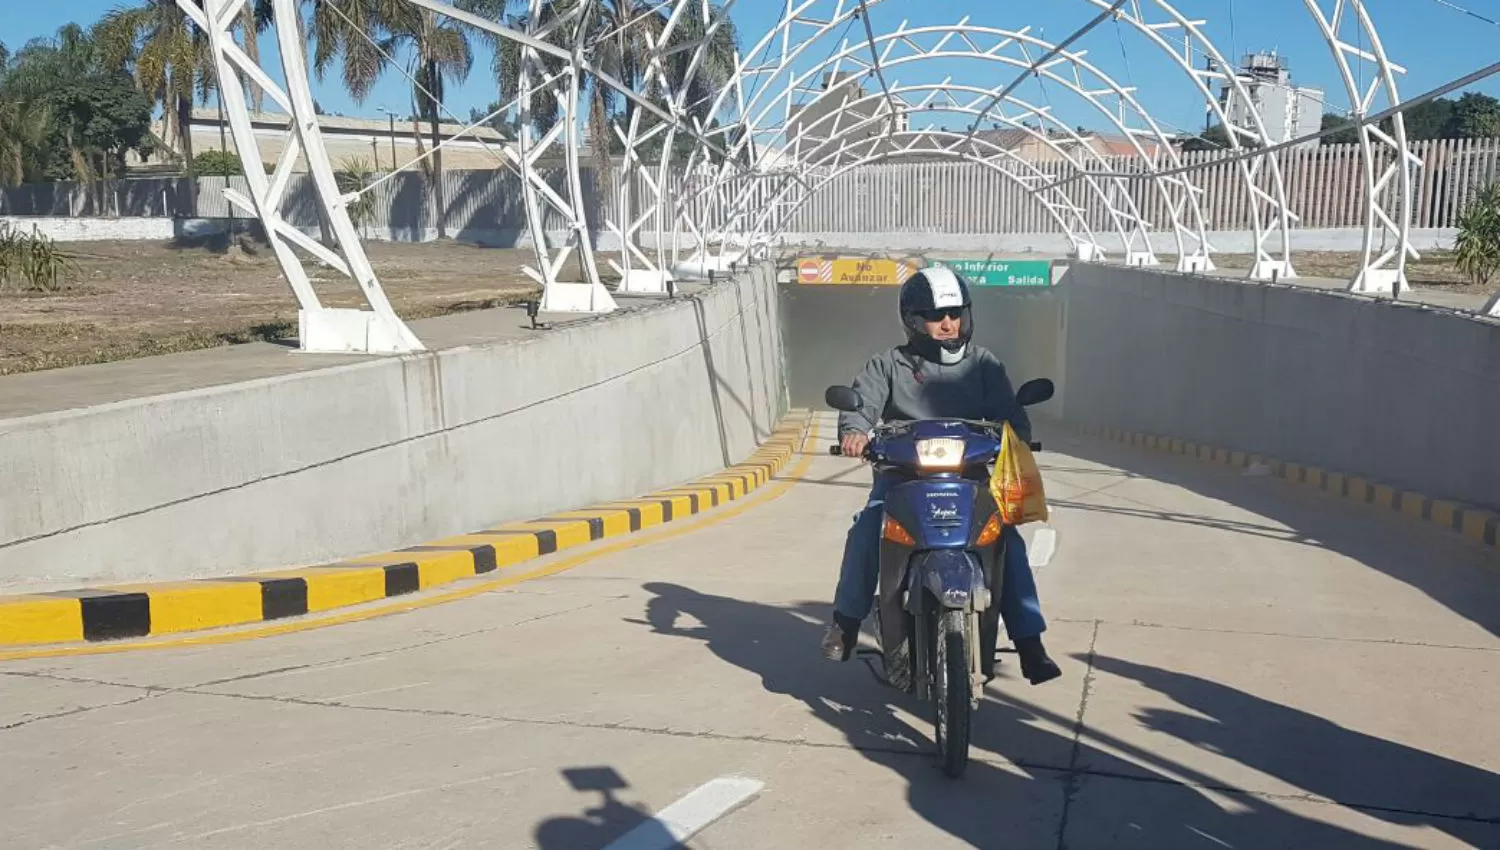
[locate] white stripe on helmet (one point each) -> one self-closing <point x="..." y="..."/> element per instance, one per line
<point x="945" y="288"/>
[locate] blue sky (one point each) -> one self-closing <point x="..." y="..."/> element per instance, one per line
<point x="1434" y="42"/>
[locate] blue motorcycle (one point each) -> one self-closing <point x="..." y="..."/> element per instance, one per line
<point x="941" y="560"/>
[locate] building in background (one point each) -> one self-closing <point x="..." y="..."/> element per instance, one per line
<point x="1288" y="111"/>
<point x="819" y="132"/>
<point x="379" y="142"/>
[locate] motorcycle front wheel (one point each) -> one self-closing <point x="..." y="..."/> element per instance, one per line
<point x="950" y="693"/>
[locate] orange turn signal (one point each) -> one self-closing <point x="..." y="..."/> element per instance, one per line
<point x="991" y="531"/>
<point x="896" y="534"/>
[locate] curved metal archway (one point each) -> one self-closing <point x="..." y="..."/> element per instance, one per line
<point x="743" y="133"/>
<point x="1281" y="213"/>
<point x="1128" y="223"/>
<point x="988" y="44"/>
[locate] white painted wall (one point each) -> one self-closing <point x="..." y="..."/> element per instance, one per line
<point x="65" y="229"/>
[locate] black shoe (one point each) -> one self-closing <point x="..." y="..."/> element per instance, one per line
<point x="1036" y="665"/>
<point x="840" y="638"/>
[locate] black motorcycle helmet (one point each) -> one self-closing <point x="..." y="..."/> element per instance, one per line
<point x="925" y="297"/>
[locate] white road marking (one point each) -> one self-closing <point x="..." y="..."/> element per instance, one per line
<point x="687" y="817"/>
<point x="379" y="691"/>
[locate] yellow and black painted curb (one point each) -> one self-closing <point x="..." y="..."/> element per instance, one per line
<point x="132" y="611"/>
<point x="1478" y="524"/>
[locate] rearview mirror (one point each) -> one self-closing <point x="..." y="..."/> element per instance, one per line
<point x="843" y="398"/>
<point x="1034" y="391"/>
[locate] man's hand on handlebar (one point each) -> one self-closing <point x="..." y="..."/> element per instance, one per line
<point x="854" y="444"/>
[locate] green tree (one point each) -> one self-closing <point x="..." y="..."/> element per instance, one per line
<point x="96" y="120"/>
<point x="24" y="124"/>
<point x="499" y="122"/>
<point x="1346" y="134"/>
<point x="1429" y="120"/>
<point x="167" y="55"/>
<point x="1475" y="116"/>
<point x="1472" y="116"/>
<point x="1215" y="138"/>
<point x="67" y="117"/>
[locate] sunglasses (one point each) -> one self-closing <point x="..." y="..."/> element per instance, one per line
<point x="939" y="315"/>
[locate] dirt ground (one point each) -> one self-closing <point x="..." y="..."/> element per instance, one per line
<point x="135" y="299"/>
<point x="1435" y="270"/>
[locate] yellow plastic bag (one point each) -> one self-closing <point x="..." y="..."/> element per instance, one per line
<point x="1017" y="482"/>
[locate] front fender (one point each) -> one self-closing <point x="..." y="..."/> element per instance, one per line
<point x="954" y="577"/>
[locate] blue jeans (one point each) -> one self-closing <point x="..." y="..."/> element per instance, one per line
<point x="859" y="576"/>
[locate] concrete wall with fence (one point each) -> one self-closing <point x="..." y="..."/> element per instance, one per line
<point x="950" y="205"/>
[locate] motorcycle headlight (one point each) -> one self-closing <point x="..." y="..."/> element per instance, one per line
<point x="941" y="453"/>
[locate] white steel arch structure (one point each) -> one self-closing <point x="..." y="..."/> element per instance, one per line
<point x="990" y="44"/>
<point x="1389" y="205"/>
<point x="1127" y="222"/>
<point x="1169" y="20"/>
<point x="746" y="165"/>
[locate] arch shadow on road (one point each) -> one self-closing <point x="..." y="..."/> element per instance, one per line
<point x="1022" y="744"/>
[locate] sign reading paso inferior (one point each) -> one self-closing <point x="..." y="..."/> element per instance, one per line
<point x="853" y="271"/>
<point x="1002" y="272"/>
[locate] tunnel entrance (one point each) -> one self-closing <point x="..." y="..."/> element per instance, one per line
<point x="829" y="331"/>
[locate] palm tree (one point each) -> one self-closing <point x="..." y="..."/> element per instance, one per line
<point x="620" y="32"/>
<point x="365" y="34"/>
<point x="48" y="129"/>
<point x="24" y="124"/>
<point x="41" y="67"/>
<point x="169" y="57"/>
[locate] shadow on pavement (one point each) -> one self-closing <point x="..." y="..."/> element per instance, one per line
<point x="1376" y="538"/>
<point x="1383" y="779"/>
<point x="605" y="823"/>
<point x="990" y="806"/>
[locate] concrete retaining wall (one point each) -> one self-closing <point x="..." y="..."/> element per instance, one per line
<point x="64" y="229"/>
<point x="1398" y="392"/>
<point x="312" y="467"/>
<point x="1401" y="393"/>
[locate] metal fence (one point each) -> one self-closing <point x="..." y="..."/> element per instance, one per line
<point x="1325" y="187"/>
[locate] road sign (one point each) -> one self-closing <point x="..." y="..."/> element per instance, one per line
<point x="814" y="270"/>
<point x="1003" y="272"/>
<point x="856" y="271"/>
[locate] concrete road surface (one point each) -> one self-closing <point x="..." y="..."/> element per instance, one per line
<point x="1246" y="665"/>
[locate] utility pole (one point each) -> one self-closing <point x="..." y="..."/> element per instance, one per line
<point x="392" y="116"/>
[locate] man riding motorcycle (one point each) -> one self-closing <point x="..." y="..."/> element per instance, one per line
<point x="937" y="374"/>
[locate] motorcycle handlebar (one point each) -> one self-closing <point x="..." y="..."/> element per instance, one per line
<point x="838" y="451"/>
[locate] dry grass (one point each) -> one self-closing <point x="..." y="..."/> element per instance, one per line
<point x="134" y="299"/>
<point x="1436" y="269"/>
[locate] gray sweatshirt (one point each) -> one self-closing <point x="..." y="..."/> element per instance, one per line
<point x="897" y="386"/>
